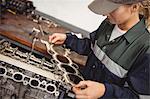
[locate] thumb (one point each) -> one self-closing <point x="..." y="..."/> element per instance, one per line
<point x="82" y="84"/>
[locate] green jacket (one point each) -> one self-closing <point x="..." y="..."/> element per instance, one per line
<point x="121" y="65"/>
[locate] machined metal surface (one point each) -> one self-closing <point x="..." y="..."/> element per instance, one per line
<point x="31" y="67"/>
<point x="29" y="71"/>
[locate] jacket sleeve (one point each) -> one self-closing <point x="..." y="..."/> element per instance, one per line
<point x="138" y="82"/>
<point x="81" y="46"/>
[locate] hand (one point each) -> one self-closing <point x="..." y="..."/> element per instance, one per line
<point x="93" y="90"/>
<point x="57" y="38"/>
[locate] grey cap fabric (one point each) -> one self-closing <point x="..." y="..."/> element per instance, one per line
<point x="126" y="1"/>
<point x="106" y="6"/>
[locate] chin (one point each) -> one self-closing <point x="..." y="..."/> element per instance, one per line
<point x="112" y="22"/>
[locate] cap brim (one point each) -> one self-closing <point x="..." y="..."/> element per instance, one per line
<point x="103" y="7"/>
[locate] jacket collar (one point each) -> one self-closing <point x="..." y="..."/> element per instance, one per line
<point x="132" y="33"/>
<point x="135" y="31"/>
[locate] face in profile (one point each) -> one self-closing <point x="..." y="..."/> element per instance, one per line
<point x="120" y="15"/>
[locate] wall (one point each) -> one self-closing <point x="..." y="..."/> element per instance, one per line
<point x="74" y="12"/>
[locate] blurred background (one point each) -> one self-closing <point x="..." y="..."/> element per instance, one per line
<point x="74" y="12"/>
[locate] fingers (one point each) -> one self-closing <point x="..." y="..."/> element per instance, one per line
<point x="78" y="91"/>
<point x="80" y="94"/>
<point x="79" y="88"/>
<point x="93" y="90"/>
<point x="81" y="97"/>
<point x="52" y="37"/>
<point x="82" y="84"/>
<point x="57" y="38"/>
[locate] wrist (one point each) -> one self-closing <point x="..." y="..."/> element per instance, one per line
<point x="102" y="90"/>
<point x="108" y="91"/>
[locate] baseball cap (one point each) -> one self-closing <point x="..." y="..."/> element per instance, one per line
<point x="106" y="6"/>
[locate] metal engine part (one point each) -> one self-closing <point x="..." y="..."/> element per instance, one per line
<point x="26" y="75"/>
<point x="18" y="6"/>
<point x="25" y="72"/>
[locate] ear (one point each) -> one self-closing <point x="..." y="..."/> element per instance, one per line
<point x="135" y="7"/>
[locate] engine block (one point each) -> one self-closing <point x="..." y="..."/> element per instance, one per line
<point x="49" y="77"/>
<point x="31" y="67"/>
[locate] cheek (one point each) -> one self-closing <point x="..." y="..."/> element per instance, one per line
<point x="115" y="19"/>
<point x="121" y="17"/>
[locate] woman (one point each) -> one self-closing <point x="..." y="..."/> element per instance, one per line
<point x="118" y="63"/>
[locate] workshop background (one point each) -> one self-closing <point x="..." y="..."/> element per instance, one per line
<point x="75" y="12"/>
<point x="31" y="67"/>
